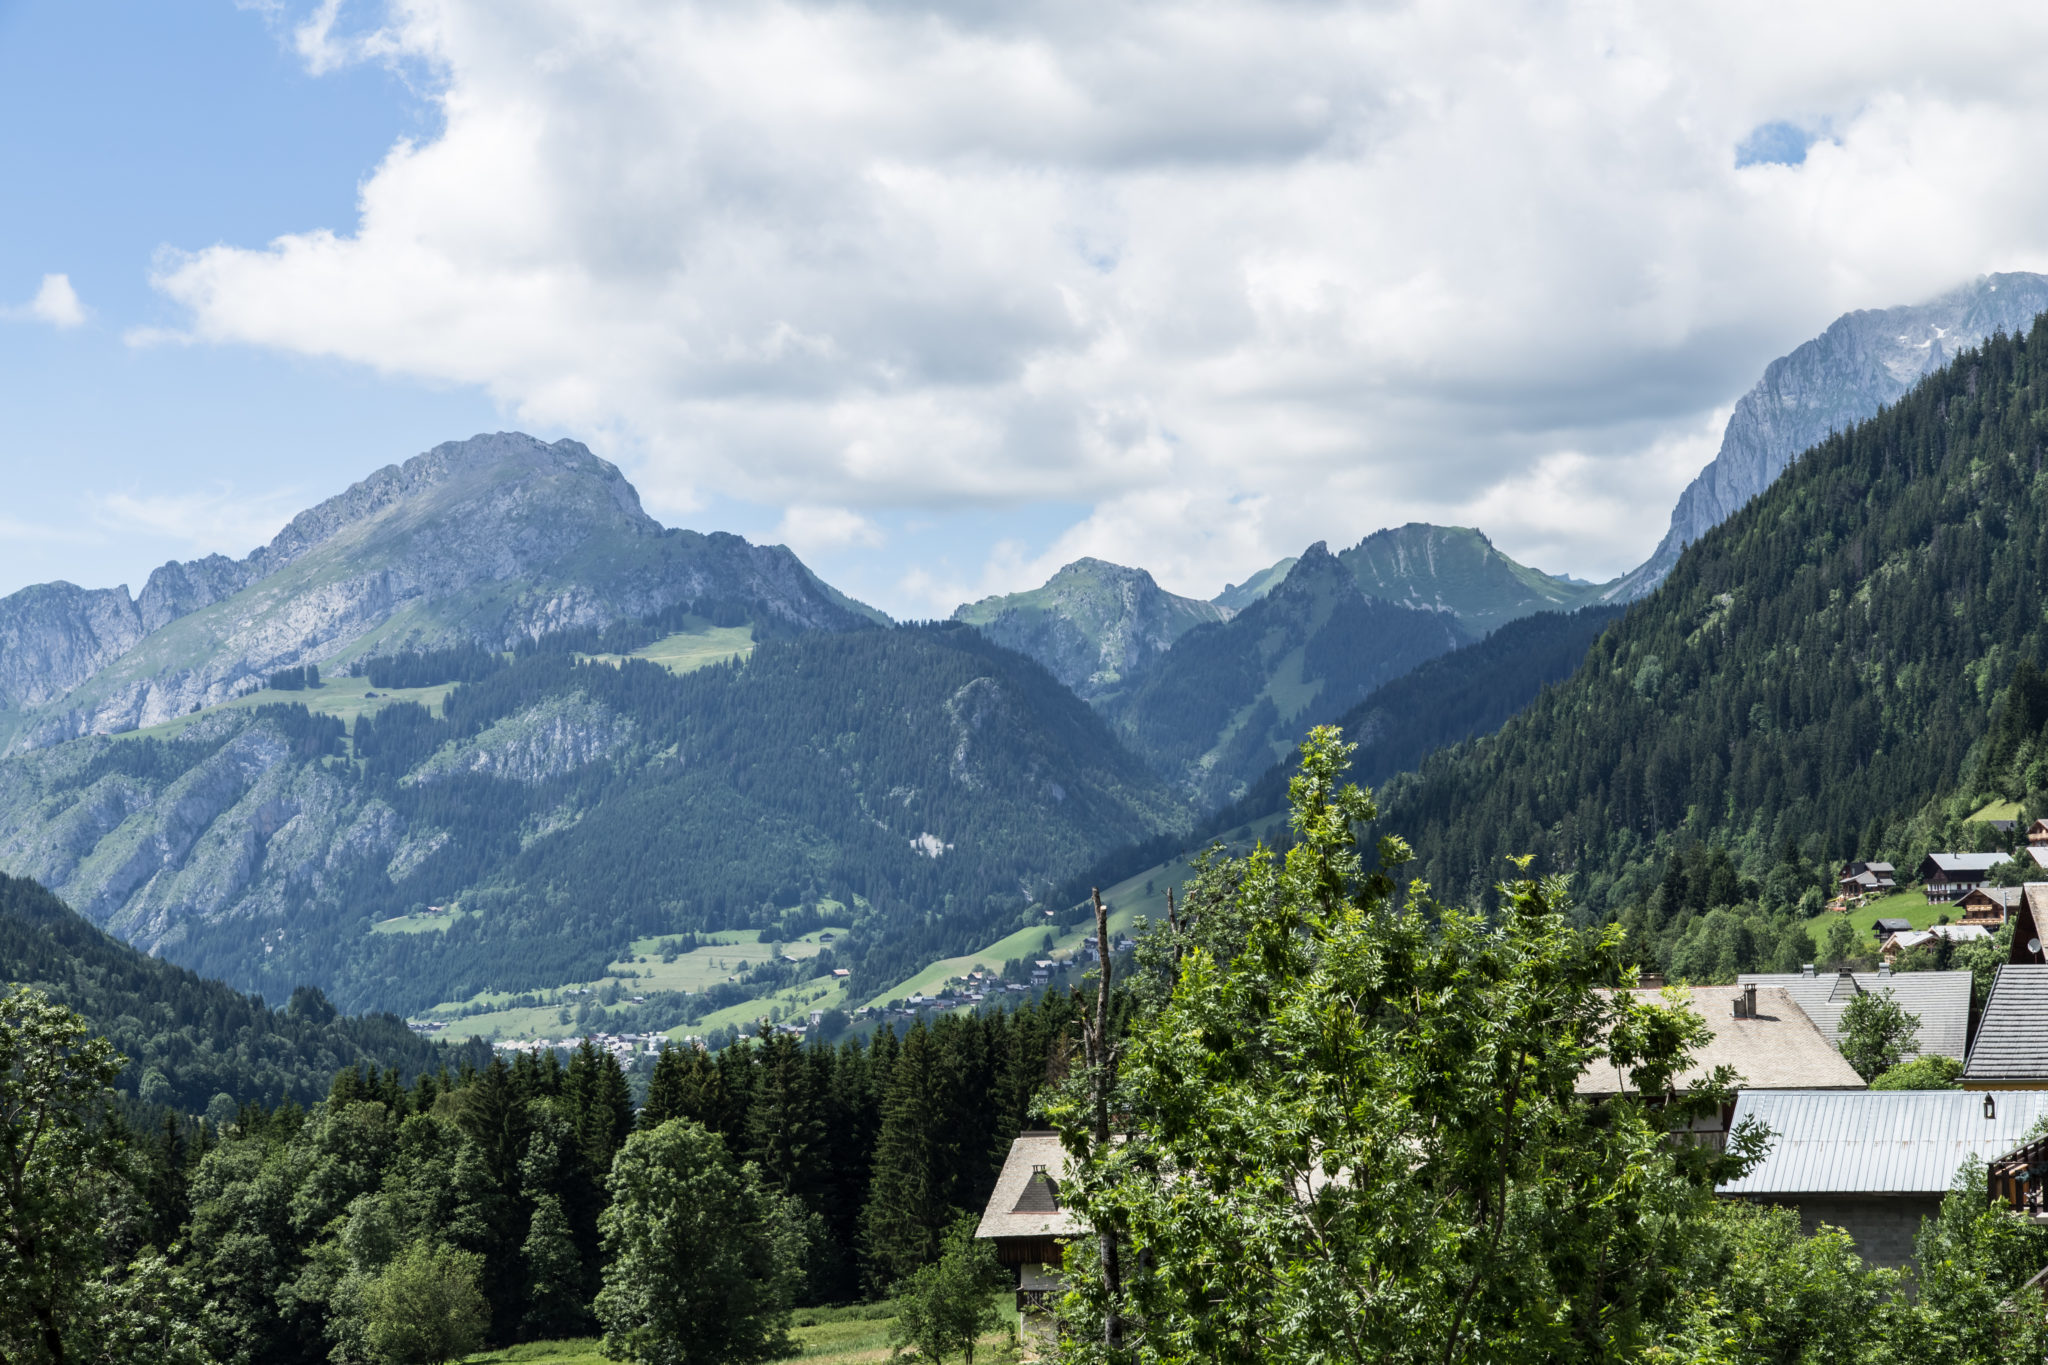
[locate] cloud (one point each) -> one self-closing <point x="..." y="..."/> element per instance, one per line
<point x="56" y="303"/>
<point x="1235" y="274"/>
<point x="812" y="530"/>
<point x="218" y="521"/>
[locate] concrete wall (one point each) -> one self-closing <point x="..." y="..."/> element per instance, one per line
<point x="1883" y="1226"/>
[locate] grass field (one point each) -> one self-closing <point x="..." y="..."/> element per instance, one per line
<point x="857" y="1335"/>
<point x="417" y="924"/>
<point x="1999" y="810"/>
<point x="1907" y="905"/>
<point x="721" y="955"/>
<point x="344" y="697"/>
<point x="692" y="649"/>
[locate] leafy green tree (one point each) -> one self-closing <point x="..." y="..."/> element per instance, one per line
<point x="1359" y="1138"/>
<point x="1922" y="1073"/>
<point x="1841" y="944"/>
<point x="702" y="1259"/>
<point x="1973" y="1262"/>
<point x="1877" y="1033"/>
<point x="944" y="1308"/>
<point x="424" y="1307"/>
<point x="1765" y="1291"/>
<point x="54" y="1074"/>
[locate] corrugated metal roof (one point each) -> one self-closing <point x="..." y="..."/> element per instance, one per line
<point x="1779" y="1049"/>
<point x="2012" y="1037"/>
<point x="1878" y="1141"/>
<point x="1968" y="862"/>
<point x="1940" y="999"/>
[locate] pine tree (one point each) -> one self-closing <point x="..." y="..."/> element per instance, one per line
<point x="907" y="1209"/>
<point x="558" y="1302"/>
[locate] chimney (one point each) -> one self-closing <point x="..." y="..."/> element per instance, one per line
<point x="1806" y="969"/>
<point x="1749" y="1000"/>
<point x="1884" y="969"/>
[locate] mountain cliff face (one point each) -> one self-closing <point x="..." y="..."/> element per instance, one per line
<point x="1864" y="361"/>
<point x="941" y="783"/>
<point x="486" y="541"/>
<point x="1228" y="699"/>
<point x="1092" y="623"/>
<point x="1456" y="569"/>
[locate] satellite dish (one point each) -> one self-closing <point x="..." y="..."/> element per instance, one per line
<point x="2033" y="945"/>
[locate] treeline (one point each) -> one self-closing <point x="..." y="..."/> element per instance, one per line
<point x="296" y="679"/>
<point x="431" y="667"/>
<point x="196" y="1046"/>
<point x="1814" y="672"/>
<point x="285" y="1223"/>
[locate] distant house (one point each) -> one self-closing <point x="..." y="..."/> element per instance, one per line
<point x="2037" y="833"/>
<point x="1949" y="876"/>
<point x="1910" y="939"/>
<point x="1940" y="999"/>
<point x="1990" y="906"/>
<point x="2010" y="1051"/>
<point x="2028" y="917"/>
<point x="1885" y="928"/>
<point x="1875" y="1162"/>
<point x="1868" y="879"/>
<point x="1757" y="1030"/>
<point x="1030" y="1225"/>
<point x="2003" y="826"/>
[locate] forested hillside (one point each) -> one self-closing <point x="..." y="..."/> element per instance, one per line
<point x="1469" y="692"/>
<point x="195" y="1045"/>
<point x="1228" y="700"/>
<point x="933" y="783"/>
<point x="1813" y="673"/>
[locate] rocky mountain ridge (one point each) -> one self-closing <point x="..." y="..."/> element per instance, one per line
<point x="1093" y="623"/>
<point x="489" y="541"/>
<point x="1864" y="361"/>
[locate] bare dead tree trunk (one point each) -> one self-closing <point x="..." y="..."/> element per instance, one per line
<point x="1101" y="1081"/>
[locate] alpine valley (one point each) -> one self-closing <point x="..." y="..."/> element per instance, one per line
<point x="479" y="732"/>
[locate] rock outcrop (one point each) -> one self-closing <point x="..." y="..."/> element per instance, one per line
<point x="1864" y="361"/>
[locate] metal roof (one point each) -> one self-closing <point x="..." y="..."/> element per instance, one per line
<point x="1968" y="862"/>
<point x="1940" y="999"/>
<point x="1879" y="1141"/>
<point x="2012" y="1037"/>
<point x="1778" y="1049"/>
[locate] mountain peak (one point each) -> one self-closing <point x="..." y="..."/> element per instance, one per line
<point x="1091" y="623"/>
<point x="1458" y="569"/>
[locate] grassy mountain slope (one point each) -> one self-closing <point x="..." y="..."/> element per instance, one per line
<point x="1227" y="700"/>
<point x="1456" y="569"/>
<point x="188" y="1039"/>
<point x="1235" y="597"/>
<point x="1819" y="665"/>
<point x="566" y="808"/>
<point x="1092" y="624"/>
<point x="489" y="541"/>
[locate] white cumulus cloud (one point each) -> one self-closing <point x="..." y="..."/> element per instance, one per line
<point x="55" y="302"/>
<point x="1233" y="274"/>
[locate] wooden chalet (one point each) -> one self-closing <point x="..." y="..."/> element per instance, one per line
<point x="1951" y="876"/>
<point x="1989" y="906"/>
<point x="2027" y="918"/>
<point x="2037" y="833"/>
<point x="1868" y="879"/>
<point x="1031" y="1227"/>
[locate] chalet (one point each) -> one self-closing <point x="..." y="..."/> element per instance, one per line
<point x="1758" y="1031"/>
<point x="1868" y="879"/>
<point x="2011" y="1048"/>
<point x="1910" y="939"/>
<point x="2037" y="833"/>
<point x="2029" y="915"/>
<point x="1940" y="999"/>
<point x="2003" y="826"/>
<point x="1885" y="928"/>
<point x="1030" y="1227"/>
<point x="1875" y="1162"/>
<point x="1990" y="906"/>
<point x="1950" y="876"/>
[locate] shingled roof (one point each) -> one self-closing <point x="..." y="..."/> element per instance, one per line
<point x="1026" y="1202"/>
<point x="1779" y="1049"/>
<point x="2012" y="1037"/>
<point x="1940" y="999"/>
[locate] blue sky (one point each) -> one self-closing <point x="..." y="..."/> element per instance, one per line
<point x="945" y="297"/>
